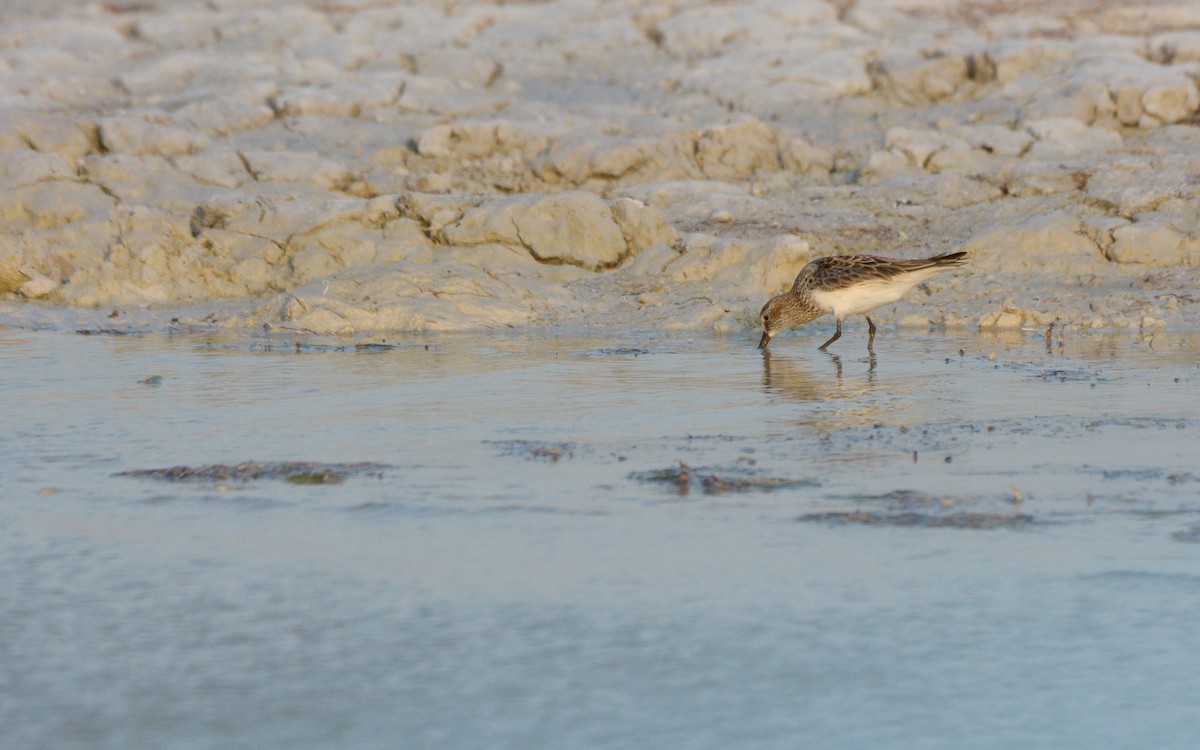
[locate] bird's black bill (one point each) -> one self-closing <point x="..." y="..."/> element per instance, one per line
<point x="762" y="344"/>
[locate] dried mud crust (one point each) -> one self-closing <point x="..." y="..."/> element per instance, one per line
<point x="438" y="166"/>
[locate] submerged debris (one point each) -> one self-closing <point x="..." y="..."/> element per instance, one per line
<point x="617" y="351"/>
<point x="1190" y="534"/>
<point x="317" y="477"/>
<point x="107" y="332"/>
<point x="716" y="481"/>
<point x="915" y="508"/>
<point x="959" y="520"/>
<point x="535" y="450"/>
<point x="296" y="472"/>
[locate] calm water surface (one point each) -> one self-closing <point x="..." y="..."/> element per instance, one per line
<point x="602" y="542"/>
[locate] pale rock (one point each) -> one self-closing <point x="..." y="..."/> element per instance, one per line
<point x="1015" y="58"/>
<point x="11" y="275"/>
<point x="642" y="226"/>
<point x="707" y="30"/>
<point x="731" y="151"/>
<point x="218" y="167"/>
<point x="178" y="29"/>
<point x="581" y="159"/>
<point x="1026" y="25"/>
<point x="1174" y="48"/>
<point x="476" y="139"/>
<point x="1028" y="177"/>
<point x="876" y="17"/>
<point x="738" y="267"/>
<point x="297" y="166"/>
<point x="993" y="139"/>
<point x="1045" y="243"/>
<point x="446" y="294"/>
<point x="158" y="76"/>
<point x="239" y="212"/>
<point x="651" y="261"/>
<point x="37" y="286"/>
<point x="84" y="42"/>
<point x="426" y="95"/>
<point x="228" y="112"/>
<point x="21" y="168"/>
<point x="1138" y="187"/>
<point x="228" y="247"/>
<point x="1099" y="229"/>
<point x="1142" y="19"/>
<point x="47" y="205"/>
<point x="882" y="165"/>
<point x="1078" y="94"/>
<point x="336" y="51"/>
<point x="919" y="78"/>
<point x="827" y="74"/>
<point x="466" y="66"/>
<point x="144" y="179"/>
<point x="133" y="135"/>
<point x="353" y="244"/>
<point x="798" y="155"/>
<point x="1064" y="135"/>
<point x="340" y="99"/>
<point x="575" y="227"/>
<point x="254" y="274"/>
<point x="432" y="211"/>
<point x="1008" y="316"/>
<point x="736" y="150"/>
<point x="699" y="31"/>
<point x="1154" y="240"/>
<point x="56" y="132"/>
<point x="280" y="27"/>
<point x="1108" y="79"/>
<point x="694" y="199"/>
<point x="310" y="262"/>
<point x="958" y="157"/>
<point x="919" y="146"/>
<point x="60" y="251"/>
<point x="1171" y="103"/>
<point x="944" y="190"/>
<point x="131" y="219"/>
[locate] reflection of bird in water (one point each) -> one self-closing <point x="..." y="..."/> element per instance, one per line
<point x="847" y="285"/>
<point x="782" y="375"/>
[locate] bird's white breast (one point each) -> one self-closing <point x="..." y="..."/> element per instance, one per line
<point x="868" y="295"/>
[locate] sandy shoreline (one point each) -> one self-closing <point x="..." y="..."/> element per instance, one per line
<point x="437" y="166"/>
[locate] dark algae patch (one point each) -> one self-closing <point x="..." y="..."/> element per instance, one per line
<point x="534" y="450"/>
<point x="1190" y="534"/>
<point x="922" y="510"/>
<point x="958" y="520"/>
<point x="296" y="472"/>
<point x="317" y="477"/>
<point x="683" y="479"/>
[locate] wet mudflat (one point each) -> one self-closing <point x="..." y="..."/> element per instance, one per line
<point x="599" y="541"/>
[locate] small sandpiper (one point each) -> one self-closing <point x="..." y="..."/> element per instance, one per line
<point x="848" y="285"/>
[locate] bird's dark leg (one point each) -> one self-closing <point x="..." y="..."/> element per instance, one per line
<point x="871" y="336"/>
<point x="834" y="338"/>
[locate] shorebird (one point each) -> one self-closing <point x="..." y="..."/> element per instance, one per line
<point x="848" y="285"/>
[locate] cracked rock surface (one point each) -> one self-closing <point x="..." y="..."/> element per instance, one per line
<point x="439" y="165"/>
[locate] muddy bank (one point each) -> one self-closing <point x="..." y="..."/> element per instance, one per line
<point x="439" y="166"/>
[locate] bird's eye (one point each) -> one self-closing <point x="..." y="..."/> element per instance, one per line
<point x="766" y="318"/>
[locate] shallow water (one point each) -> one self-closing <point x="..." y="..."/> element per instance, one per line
<point x="602" y="542"/>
